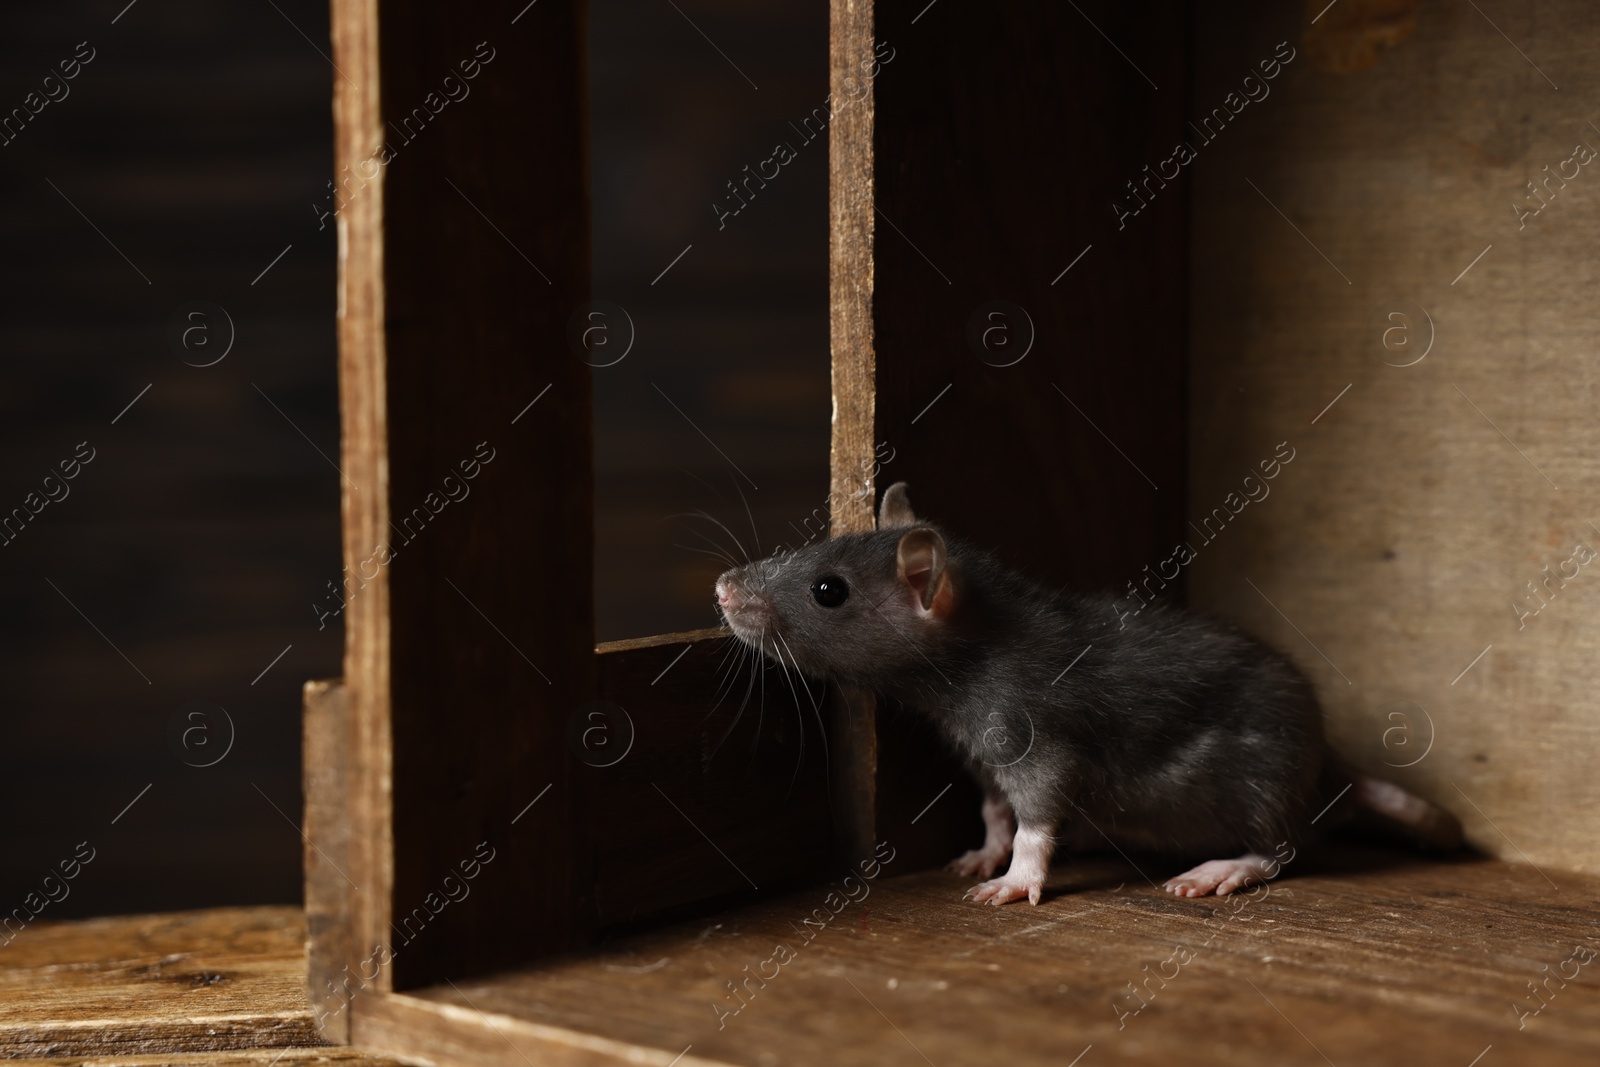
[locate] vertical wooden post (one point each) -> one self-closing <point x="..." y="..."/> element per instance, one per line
<point x="365" y="787"/>
<point x="461" y="199"/>
<point x="854" y="747"/>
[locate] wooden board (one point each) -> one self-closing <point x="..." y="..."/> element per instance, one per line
<point x="1359" y="956"/>
<point x="334" y="858"/>
<point x="486" y="256"/>
<point x="708" y="782"/>
<point x="228" y="978"/>
<point x="265" y="1057"/>
<point x="852" y="457"/>
<point x="1430" y="484"/>
<point x="364" y="508"/>
<point x="468" y="476"/>
<point x="457" y="821"/>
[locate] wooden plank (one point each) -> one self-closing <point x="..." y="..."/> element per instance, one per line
<point x="486" y="257"/>
<point x="1359" y="955"/>
<point x="1398" y="546"/>
<point x="461" y="1034"/>
<point x="228" y="978"/>
<point x="464" y="253"/>
<point x="1030" y="342"/>
<point x="333" y="957"/>
<point x="696" y="798"/>
<point x="364" y="488"/>
<point x="266" y="1057"/>
<point x="852" y="491"/>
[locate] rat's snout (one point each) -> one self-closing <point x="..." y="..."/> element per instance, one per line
<point x="733" y="598"/>
<point x="747" y="612"/>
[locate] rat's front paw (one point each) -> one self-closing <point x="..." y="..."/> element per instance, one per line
<point x="1005" y="889"/>
<point x="980" y="862"/>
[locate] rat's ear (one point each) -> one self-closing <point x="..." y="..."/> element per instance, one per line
<point x="921" y="561"/>
<point x="895" y="511"/>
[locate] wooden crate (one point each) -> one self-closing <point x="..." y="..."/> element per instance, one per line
<point x="486" y="883"/>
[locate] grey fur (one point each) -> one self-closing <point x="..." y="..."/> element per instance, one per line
<point x="1175" y="732"/>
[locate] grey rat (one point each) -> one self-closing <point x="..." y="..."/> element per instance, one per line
<point x="1166" y="731"/>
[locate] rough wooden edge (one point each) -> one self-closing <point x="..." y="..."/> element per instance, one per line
<point x="329" y="898"/>
<point x="685" y="637"/>
<point x="452" y="1036"/>
<point x="852" y="489"/>
<point x="850" y="280"/>
<point x="358" y="125"/>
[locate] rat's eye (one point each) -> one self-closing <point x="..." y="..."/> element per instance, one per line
<point x="830" y="591"/>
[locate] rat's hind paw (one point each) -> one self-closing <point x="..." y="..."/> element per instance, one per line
<point x="1006" y="889"/>
<point x="1220" y="876"/>
<point x="980" y="862"/>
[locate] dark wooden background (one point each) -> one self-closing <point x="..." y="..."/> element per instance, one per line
<point x="197" y="541"/>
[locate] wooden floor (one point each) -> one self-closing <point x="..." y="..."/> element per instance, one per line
<point x="181" y="988"/>
<point x="1371" y="958"/>
<point x="1360" y="957"/>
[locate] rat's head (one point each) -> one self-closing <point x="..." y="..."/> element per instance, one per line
<point x="855" y="607"/>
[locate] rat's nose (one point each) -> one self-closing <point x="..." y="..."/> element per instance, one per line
<point x="725" y="593"/>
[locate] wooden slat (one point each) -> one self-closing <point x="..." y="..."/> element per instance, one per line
<point x="228" y="978"/>
<point x="852" y="716"/>
<point x="486" y="256"/>
<point x="467" y="512"/>
<point x="266" y="1057"/>
<point x="333" y="957"/>
<point x="1359" y="956"/>
<point x="364" y="487"/>
<point x="455" y="1034"/>
<point x="850" y="266"/>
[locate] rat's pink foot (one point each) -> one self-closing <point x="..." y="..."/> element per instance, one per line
<point x="1005" y="889"/>
<point x="1031" y="849"/>
<point x="982" y="862"/>
<point x="1220" y="876"/>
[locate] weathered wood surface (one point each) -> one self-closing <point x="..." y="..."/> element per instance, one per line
<point x="853" y="459"/>
<point x="332" y="769"/>
<point x="364" y="499"/>
<point x="265" y="1057"/>
<point x="187" y="981"/>
<point x="1456" y="463"/>
<point x="1358" y="956"/>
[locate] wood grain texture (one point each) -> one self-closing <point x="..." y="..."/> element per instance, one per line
<point x="333" y="956"/>
<point x="850" y="265"/>
<point x="1357" y="956"/>
<point x="1399" y="545"/>
<point x="228" y="978"/>
<point x="1035" y="410"/>
<point x="363" y="454"/>
<point x="264" y="1057"/>
<point x="852" y="716"/>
